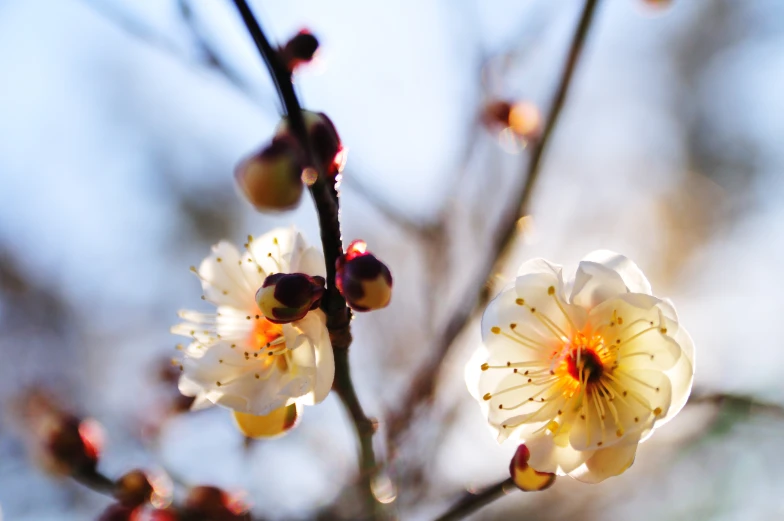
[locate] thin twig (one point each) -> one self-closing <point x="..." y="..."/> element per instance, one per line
<point x="96" y="481"/>
<point x="333" y="304"/>
<point x="424" y="382"/>
<point x="470" y="503"/>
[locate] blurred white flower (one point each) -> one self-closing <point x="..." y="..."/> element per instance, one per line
<point x="581" y="371"/>
<point x="238" y="359"/>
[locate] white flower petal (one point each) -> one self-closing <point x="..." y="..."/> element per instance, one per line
<point x="276" y="249"/>
<point x="607" y="463"/>
<point x="325" y="361"/>
<point x="681" y="376"/>
<point x="311" y="261"/>
<point x="632" y="276"/>
<point x="595" y="283"/>
<point x="547" y="456"/>
<point x="223" y="281"/>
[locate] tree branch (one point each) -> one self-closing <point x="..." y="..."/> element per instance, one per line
<point x="470" y="502"/>
<point x="424" y="382"/>
<point x="333" y="304"/>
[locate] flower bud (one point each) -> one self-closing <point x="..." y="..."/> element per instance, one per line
<point x="522" y="118"/>
<point x="133" y="489"/>
<point x="496" y="114"/>
<point x="299" y="50"/>
<point x="271" y="179"/>
<point x="286" y="297"/>
<point x="324" y="139"/>
<point x="205" y="502"/>
<point x="363" y="280"/>
<point x="525" y="477"/>
<point x="65" y="447"/>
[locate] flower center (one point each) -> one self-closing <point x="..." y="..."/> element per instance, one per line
<point x="583" y="364"/>
<point x="267" y="338"/>
<point x="264" y="332"/>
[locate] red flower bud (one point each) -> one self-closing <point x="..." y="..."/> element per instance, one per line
<point x="496" y="113"/>
<point x="324" y="139"/>
<point x="65" y="447"/>
<point x="133" y="489"/>
<point x="363" y="280"/>
<point x="286" y="297"/>
<point x="525" y="477"/>
<point x="522" y="118"/>
<point x="299" y="50"/>
<point x="272" y="178"/>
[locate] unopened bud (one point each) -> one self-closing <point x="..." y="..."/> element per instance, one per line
<point x="272" y="178"/>
<point x="524" y="476"/>
<point x="65" y="446"/>
<point x="286" y="297"/>
<point x="133" y="489"/>
<point x="496" y="114"/>
<point x="211" y="503"/>
<point x="324" y="139"/>
<point x="522" y="118"/>
<point x="363" y="280"/>
<point x="300" y="49"/>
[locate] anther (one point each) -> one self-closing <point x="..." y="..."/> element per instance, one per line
<point x="485" y="367"/>
<point x="551" y="290"/>
<point x="520" y="302"/>
<point x="487" y="396"/>
<point x="657" y="411"/>
<point x="495" y="330"/>
<point x="512" y="325"/>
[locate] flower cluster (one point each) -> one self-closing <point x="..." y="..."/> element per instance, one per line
<point x="263" y="370"/>
<point x="583" y="370"/>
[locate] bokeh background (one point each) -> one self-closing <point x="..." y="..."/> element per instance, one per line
<point x="120" y="125"/>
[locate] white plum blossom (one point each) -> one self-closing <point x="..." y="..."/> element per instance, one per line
<point x="237" y="359"/>
<point x="583" y="370"/>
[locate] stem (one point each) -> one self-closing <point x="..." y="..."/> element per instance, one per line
<point x="470" y="503"/>
<point x="424" y="382"/>
<point x="363" y="426"/>
<point x="322" y="191"/>
<point x="325" y="198"/>
<point x="95" y="481"/>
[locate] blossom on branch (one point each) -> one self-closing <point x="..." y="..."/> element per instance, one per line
<point x="264" y="372"/>
<point x="581" y="371"/>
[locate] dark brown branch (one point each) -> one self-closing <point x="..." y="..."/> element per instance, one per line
<point x="95" y="481"/>
<point x="470" y="502"/>
<point x="424" y="382"/>
<point x="333" y="304"/>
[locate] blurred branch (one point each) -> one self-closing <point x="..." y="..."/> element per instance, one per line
<point x="166" y="45"/>
<point x="214" y="62"/>
<point x="385" y="208"/>
<point x="96" y="481"/>
<point x="424" y="382"/>
<point x="471" y="502"/>
<point x="333" y="304"/>
<point x="749" y="402"/>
